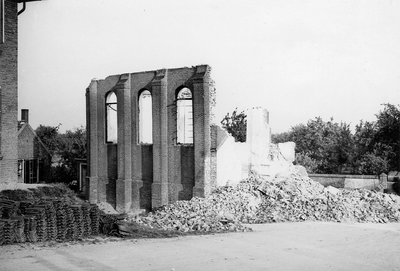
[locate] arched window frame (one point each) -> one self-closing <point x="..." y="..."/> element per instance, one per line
<point x="184" y="116"/>
<point x="111" y="110"/>
<point x="145" y="117"/>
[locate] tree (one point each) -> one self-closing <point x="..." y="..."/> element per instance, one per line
<point x="72" y="146"/>
<point x="306" y="161"/>
<point x="236" y="125"/>
<point x="326" y="147"/>
<point x="69" y="146"/>
<point x="281" y="137"/>
<point x="388" y="134"/>
<point x="368" y="155"/>
<point x="49" y="136"/>
<point x="377" y="143"/>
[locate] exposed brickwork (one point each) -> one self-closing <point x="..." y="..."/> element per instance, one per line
<point x="31" y="148"/>
<point x="29" y="145"/>
<point x="148" y="176"/>
<point x="9" y="96"/>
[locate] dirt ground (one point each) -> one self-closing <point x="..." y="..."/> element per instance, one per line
<point x="283" y="246"/>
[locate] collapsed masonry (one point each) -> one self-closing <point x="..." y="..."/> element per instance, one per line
<point x="290" y="196"/>
<point x="151" y="140"/>
<point x="236" y="160"/>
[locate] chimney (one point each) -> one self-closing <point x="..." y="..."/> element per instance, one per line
<point x="25" y="115"/>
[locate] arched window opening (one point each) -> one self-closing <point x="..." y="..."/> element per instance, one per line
<point x="184" y="117"/>
<point x="145" y="118"/>
<point x="111" y="118"/>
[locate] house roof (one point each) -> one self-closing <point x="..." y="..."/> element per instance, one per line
<point x="22" y="126"/>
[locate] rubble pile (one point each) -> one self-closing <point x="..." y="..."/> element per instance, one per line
<point x="222" y="211"/>
<point x="296" y="198"/>
<point x="288" y="197"/>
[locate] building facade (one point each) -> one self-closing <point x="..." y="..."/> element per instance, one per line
<point x="8" y="91"/>
<point x="149" y="137"/>
<point x="34" y="160"/>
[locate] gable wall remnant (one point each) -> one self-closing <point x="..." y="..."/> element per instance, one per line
<point x="135" y="176"/>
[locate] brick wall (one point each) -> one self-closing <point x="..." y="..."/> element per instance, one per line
<point x="338" y="180"/>
<point x="9" y="96"/>
<point x="148" y="176"/>
<point x="26" y="146"/>
<point x="29" y="145"/>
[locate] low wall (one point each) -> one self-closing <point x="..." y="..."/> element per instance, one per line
<point x="351" y="181"/>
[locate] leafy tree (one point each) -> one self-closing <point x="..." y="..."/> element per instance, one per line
<point x="236" y="125"/>
<point x="388" y="134"/>
<point x="49" y="136"/>
<point x="370" y="163"/>
<point x="325" y="147"/>
<point x="281" y="137"/>
<point x="364" y="137"/>
<point x="377" y="143"/>
<point x="306" y="161"/>
<point x="328" y="147"/>
<point x="69" y="146"/>
<point x="72" y="146"/>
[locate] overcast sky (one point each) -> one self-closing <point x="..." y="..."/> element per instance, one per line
<point x="298" y="59"/>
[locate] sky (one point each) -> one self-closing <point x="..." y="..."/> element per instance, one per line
<point x="298" y="59"/>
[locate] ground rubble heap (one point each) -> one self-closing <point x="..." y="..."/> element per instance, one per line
<point x="288" y="197"/>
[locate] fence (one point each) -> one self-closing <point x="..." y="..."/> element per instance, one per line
<point x="371" y="182"/>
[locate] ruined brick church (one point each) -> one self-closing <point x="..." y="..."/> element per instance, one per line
<point x="149" y="137"/>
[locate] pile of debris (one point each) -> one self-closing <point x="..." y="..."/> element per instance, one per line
<point x="288" y="197"/>
<point x="296" y="198"/>
<point x="222" y="211"/>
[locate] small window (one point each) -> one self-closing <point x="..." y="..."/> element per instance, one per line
<point x="145" y="118"/>
<point x="20" y="168"/>
<point x="184" y="117"/>
<point x="111" y="118"/>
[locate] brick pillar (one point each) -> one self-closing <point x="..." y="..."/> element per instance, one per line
<point x="137" y="176"/>
<point x="124" y="144"/>
<point x="92" y="142"/>
<point x="201" y="126"/>
<point x="160" y="140"/>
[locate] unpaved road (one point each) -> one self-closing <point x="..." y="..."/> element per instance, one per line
<point x="284" y="246"/>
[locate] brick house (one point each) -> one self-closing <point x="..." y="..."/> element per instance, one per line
<point x="9" y="88"/>
<point x="149" y="137"/>
<point x="34" y="160"/>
